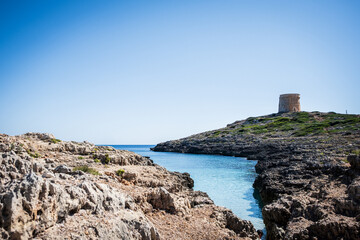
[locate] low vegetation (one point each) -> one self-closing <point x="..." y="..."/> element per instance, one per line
<point x="356" y="151"/>
<point x="86" y="169"/>
<point x="293" y="124"/>
<point x="107" y="159"/>
<point x="120" y="172"/>
<point x="54" y="140"/>
<point x="33" y="154"/>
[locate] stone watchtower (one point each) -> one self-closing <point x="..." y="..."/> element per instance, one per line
<point x="289" y="103"/>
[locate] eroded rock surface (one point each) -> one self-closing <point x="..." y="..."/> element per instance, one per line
<point x="52" y="189"/>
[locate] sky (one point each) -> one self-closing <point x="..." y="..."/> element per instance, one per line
<point x="144" y="72"/>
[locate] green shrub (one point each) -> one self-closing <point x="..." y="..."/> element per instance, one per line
<point x="54" y="140"/>
<point x="120" y="172"/>
<point x="96" y="160"/>
<point x="302" y="117"/>
<point x="33" y="154"/>
<point x="259" y="131"/>
<point x="107" y="159"/>
<point x="12" y="147"/>
<point x="216" y="134"/>
<point x="357" y="151"/>
<point x="251" y="120"/>
<point x="286" y="128"/>
<point x="241" y="130"/>
<point x="314" y="128"/>
<point x="279" y="120"/>
<point x="80" y="157"/>
<point x="86" y="169"/>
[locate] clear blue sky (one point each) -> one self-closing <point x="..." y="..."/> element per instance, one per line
<point x="142" y="72"/>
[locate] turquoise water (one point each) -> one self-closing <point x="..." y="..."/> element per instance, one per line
<point x="227" y="180"/>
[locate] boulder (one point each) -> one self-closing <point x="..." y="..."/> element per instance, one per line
<point x="160" y="198"/>
<point x="63" y="169"/>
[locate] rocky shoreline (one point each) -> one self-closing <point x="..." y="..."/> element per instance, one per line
<point x="52" y="189"/>
<point x="309" y="180"/>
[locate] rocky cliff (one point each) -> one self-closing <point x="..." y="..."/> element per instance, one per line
<point x="51" y="189"/>
<point x="307" y="180"/>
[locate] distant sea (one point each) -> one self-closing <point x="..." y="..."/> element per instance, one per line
<point x="227" y="180"/>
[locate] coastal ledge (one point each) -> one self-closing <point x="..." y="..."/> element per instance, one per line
<point x="52" y="189"/>
<point x="308" y="174"/>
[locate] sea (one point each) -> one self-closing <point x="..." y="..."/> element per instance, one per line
<point x="227" y="180"/>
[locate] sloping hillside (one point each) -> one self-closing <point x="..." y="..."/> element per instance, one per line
<point x="286" y="133"/>
<point x="309" y="169"/>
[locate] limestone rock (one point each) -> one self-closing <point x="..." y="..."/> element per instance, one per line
<point x="302" y="217"/>
<point x="33" y="200"/>
<point x="160" y="198"/>
<point x="200" y="198"/>
<point x="41" y="197"/>
<point x="40" y="136"/>
<point x="63" y="169"/>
